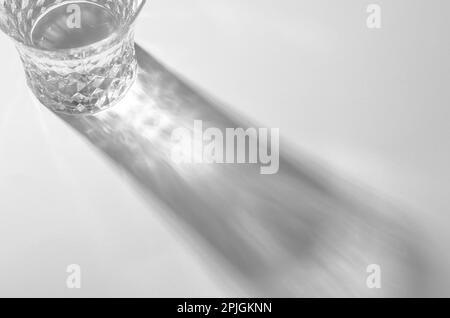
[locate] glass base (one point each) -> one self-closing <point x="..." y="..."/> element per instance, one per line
<point x="88" y="88"/>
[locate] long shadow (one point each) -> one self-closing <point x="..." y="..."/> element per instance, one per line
<point x="300" y="232"/>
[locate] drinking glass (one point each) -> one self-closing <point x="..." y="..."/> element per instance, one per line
<point x="79" y="56"/>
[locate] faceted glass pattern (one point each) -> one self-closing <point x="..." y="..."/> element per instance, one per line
<point x="81" y="80"/>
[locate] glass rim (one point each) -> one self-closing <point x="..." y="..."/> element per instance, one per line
<point x="113" y="38"/>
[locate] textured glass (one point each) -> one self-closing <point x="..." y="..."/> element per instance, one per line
<point x="78" y="80"/>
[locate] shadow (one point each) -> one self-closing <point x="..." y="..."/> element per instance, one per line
<point x="300" y="232"/>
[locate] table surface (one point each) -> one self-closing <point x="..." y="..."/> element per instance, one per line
<point x="372" y="105"/>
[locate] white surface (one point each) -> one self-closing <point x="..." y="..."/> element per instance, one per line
<point x="373" y="104"/>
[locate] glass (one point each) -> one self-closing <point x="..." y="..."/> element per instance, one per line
<point x="79" y="56"/>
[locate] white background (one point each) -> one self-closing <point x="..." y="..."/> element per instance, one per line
<point x="372" y="104"/>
